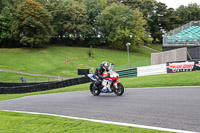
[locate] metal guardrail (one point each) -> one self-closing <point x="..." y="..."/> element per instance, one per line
<point x="152" y="70"/>
<point x="16" y="88"/>
<point x="127" y="73"/>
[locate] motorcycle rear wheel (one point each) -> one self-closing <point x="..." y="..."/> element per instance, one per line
<point x="94" y="91"/>
<point x="120" y="89"/>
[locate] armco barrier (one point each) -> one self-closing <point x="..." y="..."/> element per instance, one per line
<point x="152" y="70"/>
<point x="2" y="84"/>
<point x="127" y="73"/>
<point x="9" y="88"/>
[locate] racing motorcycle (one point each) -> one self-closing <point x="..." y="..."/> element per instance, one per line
<point x="109" y="85"/>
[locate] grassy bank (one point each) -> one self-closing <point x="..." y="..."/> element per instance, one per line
<point x="156" y="46"/>
<point x="15" y="77"/>
<point x="49" y="60"/>
<point x="21" y="123"/>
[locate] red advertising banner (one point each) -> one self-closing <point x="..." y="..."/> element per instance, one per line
<point x="183" y="66"/>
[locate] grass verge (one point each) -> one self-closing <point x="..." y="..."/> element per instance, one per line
<point x="22" y="123"/>
<point x="165" y="80"/>
<point x="156" y="46"/>
<point x="18" y="122"/>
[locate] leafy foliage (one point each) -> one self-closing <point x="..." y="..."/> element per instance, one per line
<point x="76" y="21"/>
<point x="117" y="24"/>
<point x="5" y="22"/>
<point x="89" y="22"/>
<point x="188" y="13"/>
<point x="31" y="24"/>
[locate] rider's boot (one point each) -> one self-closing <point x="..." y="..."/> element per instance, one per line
<point x="96" y="86"/>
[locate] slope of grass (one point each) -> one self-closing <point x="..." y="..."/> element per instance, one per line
<point x="24" y="123"/>
<point x="15" y="77"/>
<point x="49" y="60"/>
<point x="156" y="46"/>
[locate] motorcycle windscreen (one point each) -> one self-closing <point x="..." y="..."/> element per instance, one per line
<point x="112" y="66"/>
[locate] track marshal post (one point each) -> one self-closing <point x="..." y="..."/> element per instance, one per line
<point x="66" y="61"/>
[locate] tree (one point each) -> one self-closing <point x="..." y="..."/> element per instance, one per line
<point x="170" y="21"/>
<point x="56" y="8"/>
<point x="5" y="25"/>
<point x="117" y="24"/>
<point x="188" y="13"/>
<point x="94" y="8"/>
<point x="31" y="25"/>
<point x="141" y="36"/>
<point x="159" y="18"/>
<point x="75" y="21"/>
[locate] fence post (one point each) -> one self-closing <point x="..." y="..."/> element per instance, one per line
<point x="0" y="74"/>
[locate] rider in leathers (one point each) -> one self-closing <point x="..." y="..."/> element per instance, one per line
<point x="99" y="71"/>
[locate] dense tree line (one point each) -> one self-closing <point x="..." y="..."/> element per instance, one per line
<point x="110" y="23"/>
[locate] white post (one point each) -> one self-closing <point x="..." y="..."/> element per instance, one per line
<point x="128" y="44"/>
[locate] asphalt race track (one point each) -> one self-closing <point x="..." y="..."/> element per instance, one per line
<point x="175" y="108"/>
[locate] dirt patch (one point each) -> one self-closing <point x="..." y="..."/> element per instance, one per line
<point x="82" y="66"/>
<point x="92" y="60"/>
<point x="44" y="51"/>
<point x="69" y="57"/>
<point x="15" y="50"/>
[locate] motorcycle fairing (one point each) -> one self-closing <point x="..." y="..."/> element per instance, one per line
<point x="115" y="84"/>
<point x="92" y="77"/>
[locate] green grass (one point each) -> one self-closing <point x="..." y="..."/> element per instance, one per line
<point x="49" y="60"/>
<point x="173" y="79"/>
<point x="17" y="122"/>
<point x="15" y="77"/>
<point x="28" y="123"/>
<point x="156" y="46"/>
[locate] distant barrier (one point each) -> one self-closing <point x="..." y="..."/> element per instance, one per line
<point x="152" y="70"/>
<point x="3" y="84"/>
<point x="127" y="73"/>
<point x="15" y="88"/>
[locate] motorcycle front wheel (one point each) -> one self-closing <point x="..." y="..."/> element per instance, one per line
<point x="119" y="90"/>
<point x="94" y="91"/>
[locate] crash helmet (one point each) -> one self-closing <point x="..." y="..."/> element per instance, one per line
<point x="105" y="65"/>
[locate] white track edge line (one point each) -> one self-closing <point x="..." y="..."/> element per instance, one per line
<point x="166" y="87"/>
<point x="108" y="122"/>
